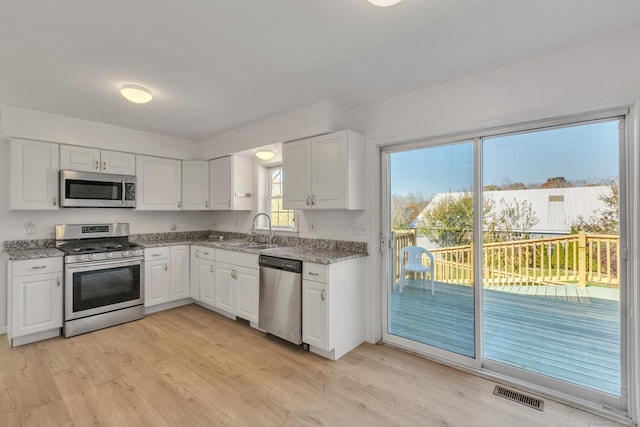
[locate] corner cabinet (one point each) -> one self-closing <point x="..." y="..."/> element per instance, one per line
<point x="231" y="183"/>
<point x="34" y="300"/>
<point x="324" y="172"/>
<point x="333" y="307"/>
<point x="195" y="185"/>
<point x="96" y="160"/>
<point x="34" y="175"/>
<point x="158" y="183"/>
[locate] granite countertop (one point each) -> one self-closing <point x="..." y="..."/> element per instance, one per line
<point x="300" y="253"/>
<point x="23" y="254"/>
<point x="307" y="250"/>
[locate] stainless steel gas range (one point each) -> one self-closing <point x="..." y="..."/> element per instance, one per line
<point x="103" y="276"/>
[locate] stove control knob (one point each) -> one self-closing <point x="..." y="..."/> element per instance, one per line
<point x="125" y="253"/>
<point x="134" y="252"/>
<point x="79" y="257"/>
<point x="108" y="254"/>
<point x="92" y="256"/>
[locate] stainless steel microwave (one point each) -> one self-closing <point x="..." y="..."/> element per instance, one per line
<point x="96" y="190"/>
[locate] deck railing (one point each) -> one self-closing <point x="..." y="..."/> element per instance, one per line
<point x="573" y="259"/>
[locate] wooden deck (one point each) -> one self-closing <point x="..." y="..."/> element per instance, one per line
<point x="575" y="338"/>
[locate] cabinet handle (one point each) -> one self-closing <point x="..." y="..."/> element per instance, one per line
<point x="165" y="266"/>
<point x="97" y="164"/>
<point x="322" y="295"/>
<point x="38" y="267"/>
<point x="104" y="166"/>
<point x="179" y="204"/>
<point x="206" y="203"/>
<point x="211" y="269"/>
<point x="311" y="273"/>
<point x="206" y="253"/>
<point x="55" y="201"/>
<point x="58" y="281"/>
<point x="313" y="200"/>
<point x="229" y="203"/>
<point x="197" y="253"/>
<point x="308" y="200"/>
<point x="156" y="255"/>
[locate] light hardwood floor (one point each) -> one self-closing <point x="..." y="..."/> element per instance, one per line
<point x="191" y="367"/>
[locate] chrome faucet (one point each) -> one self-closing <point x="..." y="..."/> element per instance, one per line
<point x="253" y="227"/>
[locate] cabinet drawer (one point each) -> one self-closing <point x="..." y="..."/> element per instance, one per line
<point x="241" y="259"/>
<point x="36" y="266"/>
<point x="203" y="252"/>
<point x="151" y="254"/>
<point x="315" y="272"/>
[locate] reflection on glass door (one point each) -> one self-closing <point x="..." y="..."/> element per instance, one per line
<point x="550" y="253"/>
<point x="430" y="295"/>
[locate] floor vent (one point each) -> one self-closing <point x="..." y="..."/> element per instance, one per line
<point x="516" y="396"/>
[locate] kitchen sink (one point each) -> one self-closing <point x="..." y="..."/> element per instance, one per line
<point x="236" y="244"/>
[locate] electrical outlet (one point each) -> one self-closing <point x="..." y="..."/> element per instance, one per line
<point x="214" y="224"/>
<point x="30" y="227"/>
<point x="173" y="226"/>
<point x="358" y="228"/>
<point x="312" y="227"/>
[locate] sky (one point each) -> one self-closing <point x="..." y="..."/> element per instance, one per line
<point x="585" y="152"/>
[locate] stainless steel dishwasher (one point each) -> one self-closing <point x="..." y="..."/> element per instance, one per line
<point x="281" y="298"/>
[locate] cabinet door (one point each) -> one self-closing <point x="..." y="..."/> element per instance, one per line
<point x="220" y="184"/>
<point x="315" y="314"/>
<point x="207" y="278"/>
<point x="241" y="183"/>
<point x="34" y="175"/>
<point x="179" y="272"/>
<point x="329" y="171"/>
<point x="225" y="287"/>
<point x="194" y="275"/>
<point x="158" y="183"/>
<point x="195" y="185"/>
<point x="36" y="303"/>
<point x="118" y="162"/>
<point x="296" y="168"/>
<point x="247" y="293"/>
<point x="80" y="158"/>
<point x="157" y="280"/>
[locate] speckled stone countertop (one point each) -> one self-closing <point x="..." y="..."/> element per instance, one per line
<point x="321" y="251"/>
<point x="16" y="250"/>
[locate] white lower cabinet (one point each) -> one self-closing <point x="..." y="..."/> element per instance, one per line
<point x="166" y="275"/>
<point x="35" y="292"/>
<point x="238" y="284"/>
<point x="333" y="307"/>
<point x="203" y="282"/>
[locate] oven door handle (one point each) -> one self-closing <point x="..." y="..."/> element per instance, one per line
<point x="115" y="263"/>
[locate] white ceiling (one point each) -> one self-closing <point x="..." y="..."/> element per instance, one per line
<point x="215" y="65"/>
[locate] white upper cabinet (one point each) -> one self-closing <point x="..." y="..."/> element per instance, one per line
<point x="34" y="174"/>
<point x="231" y="183"/>
<point x="95" y="160"/>
<point x="324" y="172"/>
<point x="159" y="183"/>
<point x="195" y="185"/>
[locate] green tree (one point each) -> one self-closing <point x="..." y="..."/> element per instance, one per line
<point x="404" y="209"/>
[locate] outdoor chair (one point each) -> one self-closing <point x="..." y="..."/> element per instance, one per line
<point x="412" y="262"/>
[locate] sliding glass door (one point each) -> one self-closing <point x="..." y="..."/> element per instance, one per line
<point x="430" y="296"/>
<point x="505" y="253"/>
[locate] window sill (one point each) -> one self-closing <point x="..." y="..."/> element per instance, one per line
<point x="280" y="231"/>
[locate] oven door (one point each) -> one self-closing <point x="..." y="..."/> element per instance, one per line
<point x="99" y="287"/>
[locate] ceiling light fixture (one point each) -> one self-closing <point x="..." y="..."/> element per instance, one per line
<point x="265" y="154"/>
<point x="384" y="3"/>
<point x="136" y="94"/>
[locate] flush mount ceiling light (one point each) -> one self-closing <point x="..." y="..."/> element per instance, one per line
<point x="265" y="154"/>
<point x="136" y="94"/>
<point x="384" y="3"/>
